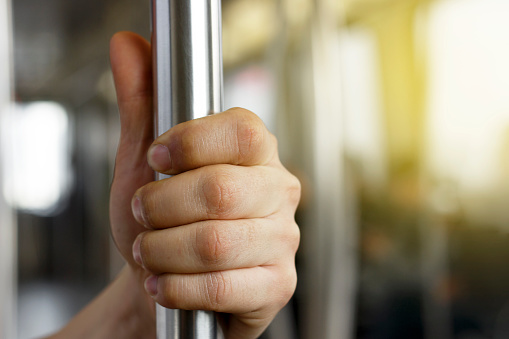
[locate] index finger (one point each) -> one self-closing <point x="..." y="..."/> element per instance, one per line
<point x="236" y="137"/>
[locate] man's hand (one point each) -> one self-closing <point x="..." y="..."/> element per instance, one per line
<point x="220" y="234"/>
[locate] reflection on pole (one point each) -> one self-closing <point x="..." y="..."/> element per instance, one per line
<point x="7" y="221"/>
<point x="187" y="59"/>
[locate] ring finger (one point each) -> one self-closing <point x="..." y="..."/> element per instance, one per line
<point x="213" y="245"/>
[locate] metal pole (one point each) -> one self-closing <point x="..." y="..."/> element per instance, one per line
<point x="188" y="78"/>
<point x="8" y="237"/>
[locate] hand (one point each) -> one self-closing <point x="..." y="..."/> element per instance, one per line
<point x="220" y="234"/>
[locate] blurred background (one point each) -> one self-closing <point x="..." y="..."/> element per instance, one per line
<point x="393" y="113"/>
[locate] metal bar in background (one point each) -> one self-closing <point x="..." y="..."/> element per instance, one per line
<point x="188" y="84"/>
<point x="8" y="242"/>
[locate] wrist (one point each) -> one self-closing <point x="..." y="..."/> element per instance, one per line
<point x="138" y="317"/>
<point x="122" y="310"/>
<point x="136" y="310"/>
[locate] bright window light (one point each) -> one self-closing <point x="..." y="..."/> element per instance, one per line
<point x="469" y="90"/>
<point x="38" y="175"/>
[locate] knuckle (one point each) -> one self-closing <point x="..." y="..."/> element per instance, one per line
<point x="274" y="141"/>
<point x="187" y="140"/>
<point x="294" y="190"/>
<point x="251" y="134"/>
<point x="217" y="288"/>
<point x="183" y="144"/>
<point x="212" y="245"/>
<point x="219" y="195"/>
<point x="293" y="237"/>
<point x="288" y="284"/>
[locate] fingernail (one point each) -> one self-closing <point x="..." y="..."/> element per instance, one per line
<point x="138" y="211"/>
<point x="159" y="158"/>
<point x="137" y="251"/>
<point x="151" y="285"/>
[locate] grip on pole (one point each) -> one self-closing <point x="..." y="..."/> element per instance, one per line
<point x="188" y="84"/>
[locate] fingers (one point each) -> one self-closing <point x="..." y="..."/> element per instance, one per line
<point x="234" y="291"/>
<point x="236" y="137"/>
<point x="220" y="192"/>
<point x="235" y="251"/>
<point x="131" y="65"/>
<point x="254" y="295"/>
<point x="216" y="245"/>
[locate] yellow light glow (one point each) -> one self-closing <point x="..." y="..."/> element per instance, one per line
<point x="469" y="82"/>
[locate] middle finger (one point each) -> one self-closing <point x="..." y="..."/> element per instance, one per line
<point x="218" y="192"/>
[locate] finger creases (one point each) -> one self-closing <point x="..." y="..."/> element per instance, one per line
<point x="218" y="245"/>
<point x="236" y="137"/>
<point x="219" y="192"/>
<point x="251" y="290"/>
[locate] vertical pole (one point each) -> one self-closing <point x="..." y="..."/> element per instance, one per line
<point x="8" y="236"/>
<point x="188" y="77"/>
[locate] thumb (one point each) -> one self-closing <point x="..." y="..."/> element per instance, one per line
<point x="131" y="65"/>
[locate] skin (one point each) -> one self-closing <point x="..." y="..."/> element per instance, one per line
<point x="218" y="235"/>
